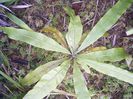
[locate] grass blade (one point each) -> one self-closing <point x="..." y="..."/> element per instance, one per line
<point x="5" y="60"/>
<point x="2" y="1"/>
<point x="18" y="21"/>
<point x="11" y="80"/>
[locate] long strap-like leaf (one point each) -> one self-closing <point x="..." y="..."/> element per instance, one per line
<point x="48" y="82"/>
<point x="79" y="84"/>
<point x="106" y="22"/>
<point x="109" y="69"/>
<point x="75" y="30"/>
<point x="111" y="55"/>
<point x="34" y="38"/>
<point x="36" y="74"/>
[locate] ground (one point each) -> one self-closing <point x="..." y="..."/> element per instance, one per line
<point x="42" y="13"/>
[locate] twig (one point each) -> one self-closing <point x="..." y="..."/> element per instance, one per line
<point x="88" y="22"/>
<point x="96" y="11"/>
<point x="113" y="2"/>
<point x="3" y="66"/>
<point x="67" y="97"/>
<point x="57" y="91"/>
<point x="53" y="9"/>
<point x="77" y="2"/>
<point x="64" y="21"/>
<point x="21" y="6"/>
<point x="114" y="25"/>
<point x="104" y="6"/>
<point x="8" y="89"/>
<point x="114" y="40"/>
<point x="48" y="96"/>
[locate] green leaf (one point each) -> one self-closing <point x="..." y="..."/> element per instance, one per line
<point x="34" y="38"/>
<point x="129" y="32"/>
<point x="75" y="30"/>
<point x="35" y="75"/>
<point x="111" y="55"/>
<point x="69" y="11"/>
<point x="9" y="2"/>
<point x="5" y="60"/>
<point x="106" y="22"/>
<point x="10" y="80"/>
<point x="2" y="1"/>
<point x="48" y="82"/>
<point x="109" y="70"/>
<point x="12" y="2"/>
<point x="18" y="21"/>
<point x="79" y="84"/>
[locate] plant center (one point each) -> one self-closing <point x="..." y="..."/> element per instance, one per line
<point x="73" y="56"/>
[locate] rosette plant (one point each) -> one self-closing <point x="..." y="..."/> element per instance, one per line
<point x="48" y="76"/>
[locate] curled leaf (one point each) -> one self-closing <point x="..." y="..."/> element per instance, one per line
<point x="56" y="33"/>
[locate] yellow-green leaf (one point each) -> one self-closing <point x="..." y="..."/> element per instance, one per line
<point x="48" y="82"/>
<point x="75" y="30"/>
<point x="79" y="84"/>
<point x="106" y="22"/>
<point x="34" y="38"/>
<point x="111" y="55"/>
<point x="36" y="74"/>
<point x="109" y="70"/>
<point x="69" y="11"/>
